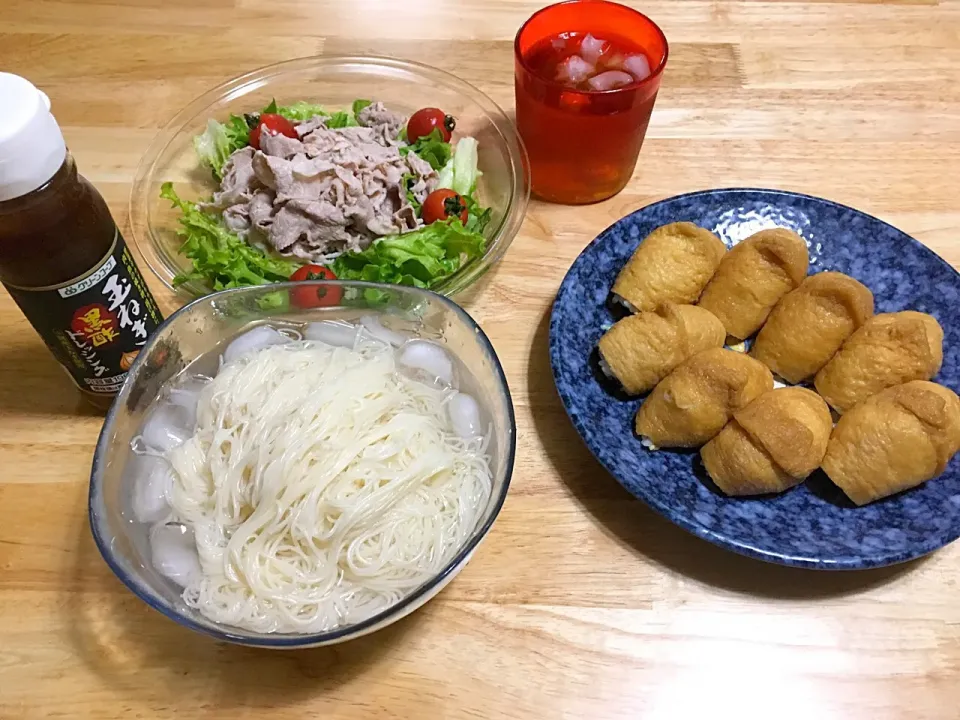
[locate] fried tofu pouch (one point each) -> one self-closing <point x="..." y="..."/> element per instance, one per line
<point x="893" y="441"/>
<point x="671" y="265"/>
<point x="808" y="326"/>
<point x="640" y="350"/>
<point x="753" y="277"/>
<point x="771" y="445"/>
<point x="695" y="401"/>
<point x="889" y="349"/>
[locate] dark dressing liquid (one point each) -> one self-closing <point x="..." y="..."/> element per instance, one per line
<point x="66" y="265"/>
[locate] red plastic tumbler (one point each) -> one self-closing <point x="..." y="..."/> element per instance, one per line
<point x="583" y="143"/>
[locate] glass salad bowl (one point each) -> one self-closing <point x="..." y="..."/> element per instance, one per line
<point x="334" y="83"/>
<point x="204" y="326"/>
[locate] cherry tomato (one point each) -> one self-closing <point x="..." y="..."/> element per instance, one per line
<point x="444" y="203"/>
<point x="422" y="123"/>
<point x="276" y="124"/>
<point x="314" y="296"/>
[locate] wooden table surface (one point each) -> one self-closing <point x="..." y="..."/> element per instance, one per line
<point x="581" y="603"/>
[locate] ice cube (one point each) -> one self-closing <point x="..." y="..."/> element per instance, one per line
<point x="610" y="80"/>
<point x="574" y="70"/>
<point x="256" y="339"/>
<point x="331" y="332"/>
<point x="186" y="395"/>
<point x="429" y="358"/>
<point x="173" y="552"/>
<point x="638" y="66"/>
<point x="591" y="49"/>
<point x="464" y="415"/>
<point x="152" y="479"/>
<point x="165" y="427"/>
<point x="372" y="324"/>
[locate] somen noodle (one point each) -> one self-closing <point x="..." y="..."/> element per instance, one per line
<point x="322" y="484"/>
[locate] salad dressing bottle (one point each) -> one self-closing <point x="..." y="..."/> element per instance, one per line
<point x="62" y="258"/>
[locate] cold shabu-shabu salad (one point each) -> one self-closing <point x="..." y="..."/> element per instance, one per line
<point x="306" y="193"/>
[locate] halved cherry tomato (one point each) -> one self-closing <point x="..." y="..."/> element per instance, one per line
<point x="315" y="296"/>
<point x="422" y="123"/>
<point x="444" y="203"/>
<point x="276" y="124"/>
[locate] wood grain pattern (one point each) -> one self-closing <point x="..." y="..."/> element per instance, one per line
<point x="581" y="603"/>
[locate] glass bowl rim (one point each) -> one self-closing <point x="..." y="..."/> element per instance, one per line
<point x="287" y="640"/>
<point x="141" y="203"/>
<point x="655" y="73"/>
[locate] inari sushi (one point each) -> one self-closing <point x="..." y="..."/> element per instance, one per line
<point x="671" y="265"/>
<point x="893" y="441"/>
<point x="809" y="325"/>
<point x="695" y="401"/>
<point x="889" y="349"/>
<point x="642" y="349"/>
<point x="770" y="445"/>
<point x="753" y="277"/>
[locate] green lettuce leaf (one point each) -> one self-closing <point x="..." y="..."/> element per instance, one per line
<point x="279" y="300"/>
<point x="431" y="148"/>
<point x="477" y="217"/>
<point x="341" y="119"/>
<point x="220" y="258"/>
<point x="465" y="170"/>
<point x="219" y="141"/>
<point x="406" y="182"/>
<point x="421" y="258"/>
<point x="359" y="105"/>
<point x="238" y="131"/>
<point x="299" y="111"/>
<point x="445" y="175"/>
<point x="461" y="173"/>
<point x="302" y="111"/>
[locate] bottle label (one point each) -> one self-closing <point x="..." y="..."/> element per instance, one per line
<point x="95" y="324"/>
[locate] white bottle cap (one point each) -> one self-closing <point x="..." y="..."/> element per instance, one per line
<point x="31" y="144"/>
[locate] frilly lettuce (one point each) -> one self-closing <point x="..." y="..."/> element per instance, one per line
<point x="422" y="258"/>
<point x="431" y="148"/>
<point x="298" y="112"/>
<point x="221" y="259"/>
<point x="219" y="141"/>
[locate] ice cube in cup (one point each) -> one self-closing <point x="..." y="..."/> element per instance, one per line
<point x="610" y="80"/>
<point x="574" y="70"/>
<point x="592" y="48"/>
<point x="638" y="66"/>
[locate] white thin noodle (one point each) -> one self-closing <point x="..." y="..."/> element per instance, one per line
<point x="322" y="486"/>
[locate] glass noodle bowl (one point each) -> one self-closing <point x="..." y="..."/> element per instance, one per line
<point x="206" y="325"/>
<point x="334" y="82"/>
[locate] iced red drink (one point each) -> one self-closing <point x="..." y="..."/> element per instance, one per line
<point x="587" y="75"/>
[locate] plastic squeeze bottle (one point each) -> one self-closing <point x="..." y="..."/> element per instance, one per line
<point x="62" y="258"/>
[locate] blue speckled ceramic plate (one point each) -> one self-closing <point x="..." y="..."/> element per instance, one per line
<point x="812" y="525"/>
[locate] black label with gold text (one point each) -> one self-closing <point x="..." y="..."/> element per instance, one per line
<point x="95" y="325"/>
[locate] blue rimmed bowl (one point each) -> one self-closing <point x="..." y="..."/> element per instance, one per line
<point x="812" y="525"/>
<point x="204" y="324"/>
